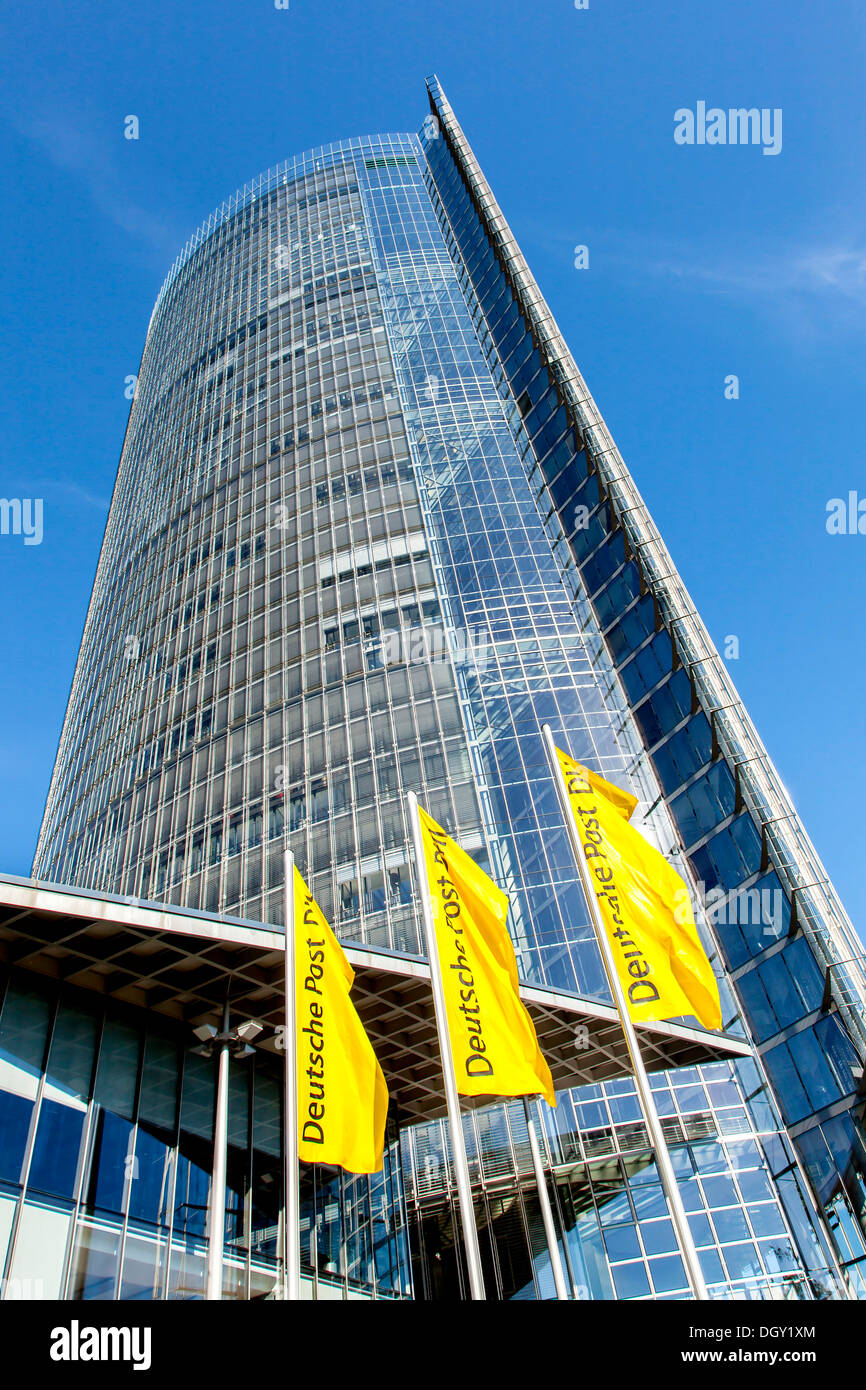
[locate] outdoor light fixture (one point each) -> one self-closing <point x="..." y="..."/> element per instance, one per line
<point x="221" y="1043"/>
<point x="237" y="1039"/>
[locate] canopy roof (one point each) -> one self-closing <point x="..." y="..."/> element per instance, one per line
<point x="179" y="964"/>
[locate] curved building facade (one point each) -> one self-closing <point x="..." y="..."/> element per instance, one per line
<point x="369" y="533"/>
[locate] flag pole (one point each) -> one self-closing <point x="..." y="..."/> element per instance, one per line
<point x="292" y="1224"/>
<point x="650" y="1114"/>
<point x="217" y="1200"/>
<point x="544" y="1202"/>
<point x="458" y="1147"/>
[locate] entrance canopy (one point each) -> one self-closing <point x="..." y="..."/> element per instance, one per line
<point x="179" y="963"/>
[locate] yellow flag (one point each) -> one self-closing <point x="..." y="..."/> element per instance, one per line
<point x="342" y="1096"/>
<point x="493" y="1040"/>
<point x="662" y="966"/>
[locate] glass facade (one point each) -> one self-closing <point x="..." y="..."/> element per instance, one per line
<point x="106" y="1152"/>
<point x="366" y="538"/>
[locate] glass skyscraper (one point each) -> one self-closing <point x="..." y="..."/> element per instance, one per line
<point x="369" y="532"/>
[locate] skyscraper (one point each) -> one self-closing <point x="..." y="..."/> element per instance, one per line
<point x="369" y="531"/>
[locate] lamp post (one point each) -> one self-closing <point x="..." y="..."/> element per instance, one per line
<point x="221" y="1043"/>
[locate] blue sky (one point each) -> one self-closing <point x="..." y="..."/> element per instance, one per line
<point x="704" y="261"/>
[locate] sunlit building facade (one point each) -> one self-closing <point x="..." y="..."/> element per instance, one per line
<point x="369" y="531"/>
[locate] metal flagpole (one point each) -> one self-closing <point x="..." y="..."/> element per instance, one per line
<point x="544" y="1201"/>
<point x="455" y="1123"/>
<point x="217" y="1203"/>
<point x="292" y="1224"/>
<point x="650" y="1114"/>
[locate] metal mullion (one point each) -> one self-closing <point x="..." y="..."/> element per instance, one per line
<point x="248" y="1196"/>
<point x="85" y="1157"/>
<point x="28" y="1148"/>
<point x="172" y="1199"/>
<point x="130" y="1174"/>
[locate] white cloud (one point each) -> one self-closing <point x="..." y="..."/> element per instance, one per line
<point x="70" y="146"/>
<point x="829" y="272"/>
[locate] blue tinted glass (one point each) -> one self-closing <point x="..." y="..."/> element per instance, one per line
<point x="649" y="1201"/>
<point x="621" y="1242"/>
<point x="598" y="570"/>
<point x="668" y="1274"/>
<point x="755" y="1185"/>
<point x="720" y="861"/>
<point x="766" y="1219"/>
<point x="711" y="1266"/>
<point x="685" y="751"/>
<point x="191" y="1194"/>
<point x="757" y="1005"/>
<point x="719" y="1192"/>
<point x="97" y="1260"/>
<point x="691" y="1195"/>
<point x="592" y="1115"/>
<point x="747" y="838"/>
<point x="587" y="537"/>
<point x="805" y="971"/>
<point x="111" y="1164"/>
<point x="786" y="1080"/>
<point x="55" y="1150"/>
<point x="744" y="1153"/>
<point x="658" y="1237"/>
<point x="742" y="1261"/>
<point x="811" y="1061"/>
<point x="567" y="482"/>
<point x="630" y="1281"/>
<point x="118" y="1068"/>
<point x="691" y="1098"/>
<point x="624" y="1108"/>
<point x="73" y="1041"/>
<point x="666" y="707"/>
<point x="840" y="1054"/>
<point x="776" y="979"/>
<point x="633" y="629"/>
<point x="701" y="1230"/>
<point x="616" y="1210"/>
<point x="779" y="1256"/>
<point x="730" y="1225"/>
<point x="619" y="593"/>
<point x="763" y="912"/>
<point x="150" y="1179"/>
<point x="23" y="1028"/>
<point x="15" y="1112"/>
<point x="709" y="1157"/>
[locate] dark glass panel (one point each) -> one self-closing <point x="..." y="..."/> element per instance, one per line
<point x="55" y="1150"/>
<point x="15" y="1113"/>
<point x="112" y="1163"/>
